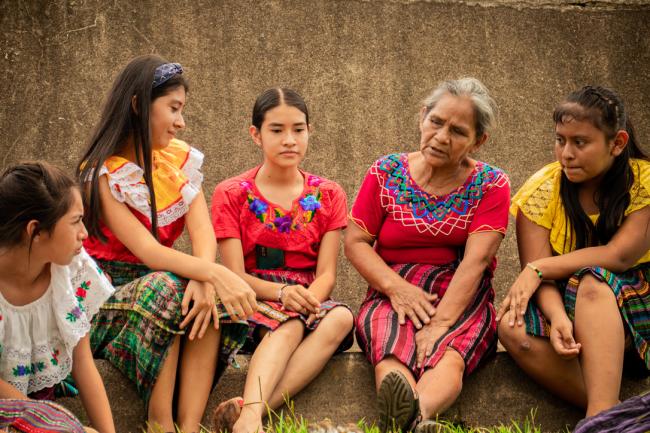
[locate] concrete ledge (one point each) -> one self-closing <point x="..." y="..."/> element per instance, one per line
<point x="344" y="392"/>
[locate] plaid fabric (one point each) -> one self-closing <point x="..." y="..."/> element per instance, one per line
<point x="473" y="336"/>
<point x="271" y="314"/>
<point x="630" y="416"/>
<point x="33" y="416"/>
<point x="632" y="291"/>
<point x="136" y="326"/>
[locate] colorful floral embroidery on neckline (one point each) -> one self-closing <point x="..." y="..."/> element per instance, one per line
<point x="425" y="206"/>
<point x="277" y="219"/>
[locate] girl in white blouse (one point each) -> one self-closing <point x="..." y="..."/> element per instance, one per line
<point x="49" y="290"/>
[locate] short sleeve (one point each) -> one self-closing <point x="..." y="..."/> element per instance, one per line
<point x="367" y="211"/>
<point x="338" y="208"/>
<point x="227" y="201"/>
<point x="538" y="196"/>
<point x="78" y="293"/>
<point x="492" y="212"/>
<point x="640" y="191"/>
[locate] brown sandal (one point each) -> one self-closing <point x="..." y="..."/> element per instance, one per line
<point x="226" y="414"/>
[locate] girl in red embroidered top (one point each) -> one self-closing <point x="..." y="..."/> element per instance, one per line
<point x="143" y="187"/>
<point x="279" y="228"/>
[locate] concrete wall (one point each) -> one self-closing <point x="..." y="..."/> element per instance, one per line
<point x="363" y="67"/>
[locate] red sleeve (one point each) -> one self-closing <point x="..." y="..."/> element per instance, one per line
<point x="492" y="212"/>
<point x="367" y="211"/>
<point x="338" y="208"/>
<point x="227" y="205"/>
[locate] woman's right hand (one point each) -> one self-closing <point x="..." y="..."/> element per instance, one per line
<point x="411" y="301"/>
<point x="234" y="293"/>
<point x="299" y="299"/>
<point x="562" y="338"/>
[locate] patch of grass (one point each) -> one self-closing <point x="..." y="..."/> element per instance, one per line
<point x="289" y="422"/>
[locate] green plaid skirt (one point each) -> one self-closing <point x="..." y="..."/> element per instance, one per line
<point x="136" y="326"/>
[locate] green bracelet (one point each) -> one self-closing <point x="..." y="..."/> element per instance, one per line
<point x="536" y="269"/>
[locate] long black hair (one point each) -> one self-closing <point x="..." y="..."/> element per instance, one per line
<point x="606" y="111"/>
<point x="273" y="97"/>
<point x="124" y="118"/>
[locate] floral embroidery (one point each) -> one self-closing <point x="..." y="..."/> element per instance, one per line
<point x="25" y="370"/>
<point x="279" y="220"/>
<point x="82" y="291"/>
<point x="74" y="315"/>
<point x="55" y="357"/>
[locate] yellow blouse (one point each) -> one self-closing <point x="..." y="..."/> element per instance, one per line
<point x="539" y="199"/>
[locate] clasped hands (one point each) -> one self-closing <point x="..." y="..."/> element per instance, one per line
<point x="299" y="299"/>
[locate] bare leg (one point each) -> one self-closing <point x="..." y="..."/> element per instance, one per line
<point x="599" y="328"/>
<point x="440" y="386"/>
<point x="198" y="364"/>
<point x="389" y="364"/>
<point x="538" y="359"/>
<point x="312" y="354"/>
<point x="159" y="412"/>
<point x="266" y="367"/>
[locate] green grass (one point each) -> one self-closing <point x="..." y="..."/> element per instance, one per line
<point x="289" y="422"/>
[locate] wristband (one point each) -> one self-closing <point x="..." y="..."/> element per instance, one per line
<point x="280" y="293"/>
<point x="535" y="269"/>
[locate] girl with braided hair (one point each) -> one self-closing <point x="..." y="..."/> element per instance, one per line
<point x="581" y="302"/>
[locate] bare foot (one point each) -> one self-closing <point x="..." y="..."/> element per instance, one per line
<point x="248" y="422"/>
<point x="226" y="414"/>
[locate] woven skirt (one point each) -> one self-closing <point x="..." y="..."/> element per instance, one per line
<point x="473" y="336"/>
<point x="271" y="314"/>
<point x="632" y="291"/>
<point x="135" y="327"/>
<point x="33" y="416"/>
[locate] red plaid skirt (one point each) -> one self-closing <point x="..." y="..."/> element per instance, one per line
<point x="473" y="336"/>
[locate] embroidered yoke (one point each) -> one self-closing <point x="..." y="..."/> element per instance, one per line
<point x="37" y="339"/>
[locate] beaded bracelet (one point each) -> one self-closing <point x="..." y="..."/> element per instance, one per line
<point x="536" y="269"/>
<point x="280" y="293"/>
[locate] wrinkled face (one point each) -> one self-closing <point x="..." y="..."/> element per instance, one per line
<point x="583" y="150"/>
<point x="65" y="240"/>
<point x="448" y="134"/>
<point x="283" y="137"/>
<point x="166" y="118"/>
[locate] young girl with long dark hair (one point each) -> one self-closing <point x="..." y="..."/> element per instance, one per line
<point x="583" y="229"/>
<point x="279" y="228"/>
<point x="142" y="188"/>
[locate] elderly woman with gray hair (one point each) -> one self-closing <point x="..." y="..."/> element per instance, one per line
<point x="427" y="225"/>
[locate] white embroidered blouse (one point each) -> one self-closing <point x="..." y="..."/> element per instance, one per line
<point x="37" y="339"/>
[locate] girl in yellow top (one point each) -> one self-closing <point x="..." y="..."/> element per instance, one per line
<point x="583" y="232"/>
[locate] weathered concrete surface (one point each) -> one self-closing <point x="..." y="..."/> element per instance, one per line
<point x="362" y="65"/>
<point x="344" y="392"/>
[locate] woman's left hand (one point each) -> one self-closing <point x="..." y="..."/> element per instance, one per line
<point x="516" y="301"/>
<point x="426" y="338"/>
<point x="202" y="296"/>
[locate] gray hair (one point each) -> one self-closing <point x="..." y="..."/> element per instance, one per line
<point x="485" y="108"/>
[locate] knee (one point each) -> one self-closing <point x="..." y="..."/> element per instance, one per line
<point x="337" y="324"/>
<point x="514" y="338"/>
<point x="591" y="289"/>
<point x="292" y="329"/>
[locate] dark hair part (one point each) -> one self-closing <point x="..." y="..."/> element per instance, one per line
<point x="32" y="191"/>
<point x="274" y="97"/>
<point x="120" y="122"/>
<point x="604" y="109"/>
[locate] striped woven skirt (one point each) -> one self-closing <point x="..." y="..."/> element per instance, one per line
<point x="33" y="416"/>
<point x="632" y="291"/>
<point x="136" y="326"/>
<point x="473" y="336"/>
<point x="271" y="314"/>
<point x="630" y="416"/>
